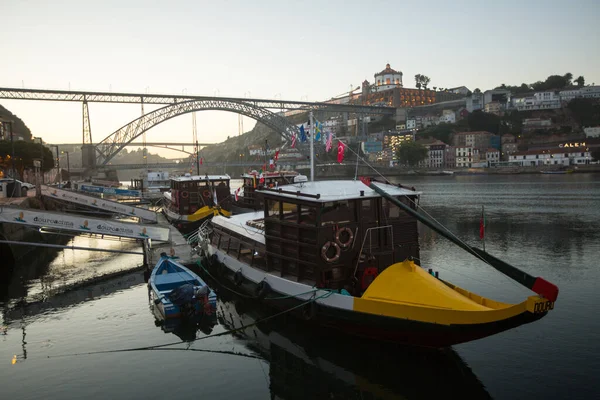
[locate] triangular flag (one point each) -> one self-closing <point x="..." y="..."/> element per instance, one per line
<point x="236" y="193"/>
<point x="276" y="155"/>
<point x="293" y="140"/>
<point x="201" y="160"/>
<point x="340" y="154"/>
<point x="271" y="164"/>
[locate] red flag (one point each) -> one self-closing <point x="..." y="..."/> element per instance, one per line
<point x="276" y="155"/>
<point x="293" y="140"/>
<point x="236" y="193"/>
<point x="340" y="149"/>
<point x="365" y="179"/>
<point x="201" y="160"/>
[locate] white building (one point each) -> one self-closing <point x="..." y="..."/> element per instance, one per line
<point x="592" y="132"/>
<point x="537" y="101"/>
<point x="436" y="154"/>
<point x="459" y="90"/>
<point x="464" y="156"/>
<point x="388" y="79"/>
<point x="475" y="102"/>
<point x="448" y="117"/>
<point x="587" y="92"/>
<point x="492" y="156"/>
<point x="560" y="156"/>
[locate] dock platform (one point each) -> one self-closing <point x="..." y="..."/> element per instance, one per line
<point x="177" y="246"/>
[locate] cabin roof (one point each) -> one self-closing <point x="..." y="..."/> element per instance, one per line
<point x="237" y="224"/>
<point x="336" y="190"/>
<point x="201" y="178"/>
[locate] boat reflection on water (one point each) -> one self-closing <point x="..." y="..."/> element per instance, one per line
<point x="305" y="364"/>
<point x="184" y="328"/>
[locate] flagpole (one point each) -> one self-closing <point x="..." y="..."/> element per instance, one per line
<point x="312" y="148"/>
<point x="483" y="225"/>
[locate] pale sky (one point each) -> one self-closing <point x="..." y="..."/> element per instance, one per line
<point x="296" y="50"/>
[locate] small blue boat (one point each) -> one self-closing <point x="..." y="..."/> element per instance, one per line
<point x="178" y="292"/>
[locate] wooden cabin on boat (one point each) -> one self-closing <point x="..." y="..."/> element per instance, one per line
<point x="250" y="198"/>
<point x="332" y="234"/>
<point x="191" y="199"/>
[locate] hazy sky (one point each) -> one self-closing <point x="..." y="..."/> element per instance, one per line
<point x="270" y="49"/>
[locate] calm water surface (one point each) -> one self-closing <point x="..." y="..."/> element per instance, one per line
<point x="547" y="225"/>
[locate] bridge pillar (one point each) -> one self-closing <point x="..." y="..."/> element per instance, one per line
<point x="88" y="156"/>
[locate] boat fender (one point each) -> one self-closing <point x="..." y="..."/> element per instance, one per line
<point x="344" y="244"/>
<point x="238" y="278"/>
<point x="368" y="276"/>
<point x="184" y="194"/>
<point x="325" y="249"/>
<point x="309" y="311"/>
<point x="262" y="290"/>
<point x="206" y="194"/>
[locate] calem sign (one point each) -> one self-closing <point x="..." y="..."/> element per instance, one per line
<point x="582" y="144"/>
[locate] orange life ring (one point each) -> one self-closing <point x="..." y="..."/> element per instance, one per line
<point x="326" y="248"/>
<point x="184" y="194"/>
<point x="346" y="243"/>
<point x="206" y="193"/>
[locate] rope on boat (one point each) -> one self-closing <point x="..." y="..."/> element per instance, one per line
<point x="228" y="332"/>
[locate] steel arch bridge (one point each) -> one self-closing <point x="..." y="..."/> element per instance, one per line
<point x="115" y="142"/>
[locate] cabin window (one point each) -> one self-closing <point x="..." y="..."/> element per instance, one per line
<point x="338" y="212"/>
<point x="272" y="209"/>
<point x="308" y="215"/>
<point x="290" y="212"/>
<point x="368" y="212"/>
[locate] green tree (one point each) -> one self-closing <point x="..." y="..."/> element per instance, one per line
<point x="580" y="81"/>
<point x="482" y="121"/>
<point x="25" y="153"/>
<point x="585" y="111"/>
<point x="411" y="153"/>
<point x="441" y="132"/>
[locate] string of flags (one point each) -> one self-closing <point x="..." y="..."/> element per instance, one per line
<point x="320" y="134"/>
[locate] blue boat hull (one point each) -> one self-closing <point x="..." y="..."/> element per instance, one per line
<point x="169" y="275"/>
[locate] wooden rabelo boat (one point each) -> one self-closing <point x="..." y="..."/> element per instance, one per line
<point x="194" y="198"/>
<point x="345" y="255"/>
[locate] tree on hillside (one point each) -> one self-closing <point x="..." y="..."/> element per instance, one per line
<point x="580" y="81"/>
<point x="421" y="81"/>
<point x="585" y="111"/>
<point x="25" y="153"/>
<point x="482" y="121"/>
<point x="442" y="132"/>
<point x="411" y="153"/>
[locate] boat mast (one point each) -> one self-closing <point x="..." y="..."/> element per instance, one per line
<point x="312" y="146"/>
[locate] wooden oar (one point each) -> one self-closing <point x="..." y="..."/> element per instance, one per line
<point x="537" y="284"/>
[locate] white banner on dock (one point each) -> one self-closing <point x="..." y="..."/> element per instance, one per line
<point x="82" y="224"/>
<point x="101" y="204"/>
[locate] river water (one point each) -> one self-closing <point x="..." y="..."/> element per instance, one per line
<point x="55" y="346"/>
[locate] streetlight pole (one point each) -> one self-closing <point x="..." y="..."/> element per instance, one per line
<point x="41" y="157"/>
<point x="59" y="175"/>
<point x="68" y="165"/>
